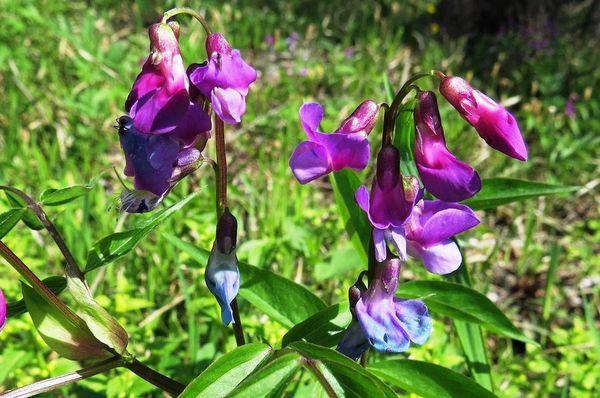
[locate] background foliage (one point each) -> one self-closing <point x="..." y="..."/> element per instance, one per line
<point x="66" y="68"/>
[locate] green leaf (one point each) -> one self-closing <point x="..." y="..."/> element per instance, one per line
<point x="500" y="191"/>
<point x="279" y="298"/>
<point x="345" y="183"/>
<point x="55" y="283"/>
<point x="471" y="337"/>
<point x="462" y="303"/>
<point x="404" y="138"/>
<point x="267" y="380"/>
<point x="58" y="331"/>
<point x="56" y="197"/>
<point x="118" y="244"/>
<point x="324" y="328"/>
<point x="344" y="376"/>
<point x="223" y="375"/>
<point x="9" y="219"/>
<point x="428" y="380"/>
<point x="29" y="217"/>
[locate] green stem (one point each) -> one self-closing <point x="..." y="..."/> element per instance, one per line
<point x="311" y="365"/>
<point x="61" y="381"/>
<point x="406" y="88"/>
<point x="186" y="10"/>
<point x="157" y="379"/>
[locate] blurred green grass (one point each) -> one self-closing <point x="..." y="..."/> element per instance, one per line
<point x="66" y="68"/>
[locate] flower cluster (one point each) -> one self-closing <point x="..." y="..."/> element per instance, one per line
<point x="168" y="122"/>
<point x="401" y="216"/>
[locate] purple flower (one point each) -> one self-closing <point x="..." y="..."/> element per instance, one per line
<point x="429" y="230"/>
<point x="159" y="101"/>
<point x="292" y="41"/>
<point x="2" y="310"/>
<point x="224" y="79"/>
<point x="270" y="40"/>
<point x="492" y="121"/>
<point x="390" y="203"/>
<point x="388" y="324"/>
<point x="349" y="52"/>
<point x="441" y="172"/>
<point x="570" y="110"/>
<point x="347" y="147"/>
<point x="222" y="275"/>
<point x="152" y="160"/>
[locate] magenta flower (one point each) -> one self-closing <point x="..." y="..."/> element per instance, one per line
<point x="159" y="101"/>
<point x="2" y="310"/>
<point x="429" y="230"/>
<point x="387" y="323"/>
<point x="153" y="160"/>
<point x="390" y="203"/>
<point x="347" y="147"/>
<point x="442" y="174"/>
<point x="224" y="79"/>
<point x="492" y="121"/>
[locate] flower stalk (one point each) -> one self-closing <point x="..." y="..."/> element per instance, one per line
<point x="189" y="11"/>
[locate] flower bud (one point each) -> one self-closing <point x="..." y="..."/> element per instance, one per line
<point x="222" y="275"/>
<point x="216" y="42"/>
<point x="492" y="121"/>
<point x="362" y="120"/>
<point x="388" y="167"/>
<point x="2" y="310"/>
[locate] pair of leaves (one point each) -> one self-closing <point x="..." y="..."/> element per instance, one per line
<point x="116" y="245"/>
<point x="257" y="370"/>
<point x="279" y="298"/>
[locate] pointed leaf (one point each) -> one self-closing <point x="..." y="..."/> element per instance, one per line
<point x="324" y="328"/>
<point x="9" y="219"/>
<point x="223" y="375"/>
<point x="56" y="197"/>
<point x="428" y="380"/>
<point x="279" y="298"/>
<point x="113" y="246"/>
<point x="55" y="283"/>
<point x="29" y="217"/>
<point x="345" y="183"/>
<point x="463" y="303"/>
<point x="500" y="191"/>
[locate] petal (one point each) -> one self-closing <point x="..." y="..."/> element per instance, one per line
<point x="388" y="207"/>
<point x="311" y="114"/>
<point x="441" y="259"/>
<point x="442" y="220"/>
<point x="226" y="71"/>
<point x="380" y="244"/>
<point x="396" y="236"/>
<point x="2" y="310"/>
<point x="362" y="198"/>
<point x="229" y="104"/>
<point x="159" y="112"/>
<point x="187" y="156"/>
<point x="361" y="120"/>
<point x="499" y="128"/>
<point x="223" y="280"/>
<point x="353" y="343"/>
<point x="346" y="150"/>
<point x="192" y="124"/>
<point x="415" y="319"/>
<point x="309" y="161"/>
<point x="147" y="81"/>
<point x="383" y="329"/>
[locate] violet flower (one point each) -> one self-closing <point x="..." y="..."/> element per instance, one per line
<point x="154" y="161"/>
<point x="442" y="174"/>
<point x="347" y="147"/>
<point x="224" y="79"/>
<point x="429" y="230"/>
<point x="387" y="323"/>
<point x="222" y="275"/>
<point x="492" y="121"/>
<point x="159" y="101"/>
<point x="390" y="203"/>
<point x="2" y="310"/>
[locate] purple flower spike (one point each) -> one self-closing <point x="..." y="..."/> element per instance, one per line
<point x="429" y="230"/>
<point x="224" y="79"/>
<point x="442" y="173"/>
<point x="492" y="121"/>
<point x="347" y="147"/>
<point x="159" y="101"/>
<point x="2" y="310"/>
<point x="389" y="204"/>
<point x="390" y="324"/>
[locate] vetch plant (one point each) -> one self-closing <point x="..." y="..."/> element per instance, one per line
<point x="419" y="197"/>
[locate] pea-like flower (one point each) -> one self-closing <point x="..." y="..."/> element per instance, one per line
<point x="429" y="230"/>
<point x="347" y="147"/>
<point x="224" y="79"/>
<point x="222" y="275"/>
<point x="2" y="310"/>
<point x="159" y="101"/>
<point x="156" y="162"/>
<point x="390" y="203"/>
<point x="387" y="323"/>
<point x="492" y="121"/>
<point x="442" y="174"/>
